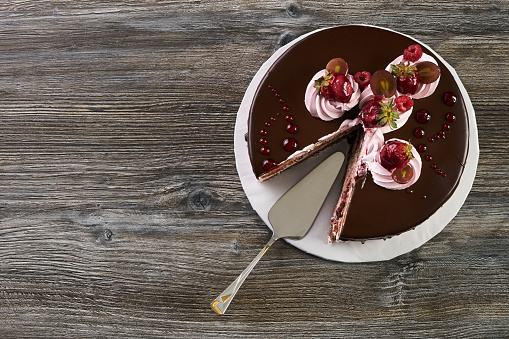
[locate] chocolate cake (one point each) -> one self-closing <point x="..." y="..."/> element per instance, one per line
<point x="282" y="132"/>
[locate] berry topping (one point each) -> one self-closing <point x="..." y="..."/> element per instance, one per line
<point x="337" y="65"/>
<point x="290" y="144"/>
<point x="422" y="148"/>
<point x="263" y="141"/>
<point x="406" y="77"/>
<point x="427" y="72"/>
<point x="404" y="103"/>
<point x="268" y="164"/>
<point x="404" y="175"/>
<point x="292" y="128"/>
<point x="362" y="78"/>
<point x="412" y="53"/>
<point x="264" y="150"/>
<point x="422" y="116"/>
<point x="419" y="132"/>
<point x="383" y="84"/>
<point x="376" y="113"/>
<point x="369" y="113"/>
<point x="395" y="154"/>
<point x="450" y="117"/>
<point x="450" y="98"/>
<point x="289" y="118"/>
<point x="335" y="86"/>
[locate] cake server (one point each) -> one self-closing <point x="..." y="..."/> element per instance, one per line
<point x="291" y="216"/>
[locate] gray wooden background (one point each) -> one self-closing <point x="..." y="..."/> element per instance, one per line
<point x="121" y="212"/>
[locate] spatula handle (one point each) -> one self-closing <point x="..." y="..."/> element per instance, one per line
<point x="221" y="303"/>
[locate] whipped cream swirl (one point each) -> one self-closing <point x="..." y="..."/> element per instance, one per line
<point x="424" y="90"/>
<point x="381" y="176"/>
<point x="325" y="109"/>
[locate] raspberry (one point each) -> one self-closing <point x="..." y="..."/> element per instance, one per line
<point x="404" y="103"/>
<point x="412" y="53"/>
<point x="362" y="78"/>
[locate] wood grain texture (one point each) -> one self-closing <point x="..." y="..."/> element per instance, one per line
<point x="121" y="212"/>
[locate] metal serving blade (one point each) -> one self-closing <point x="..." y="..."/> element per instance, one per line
<point x="294" y="213"/>
<point x="291" y="216"/>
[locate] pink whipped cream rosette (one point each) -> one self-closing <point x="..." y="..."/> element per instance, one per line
<point x="424" y="90"/>
<point x="325" y="109"/>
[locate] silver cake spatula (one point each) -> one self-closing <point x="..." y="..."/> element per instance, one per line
<point x="291" y="216"/>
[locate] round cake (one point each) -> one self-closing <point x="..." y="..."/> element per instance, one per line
<point x="282" y="132"/>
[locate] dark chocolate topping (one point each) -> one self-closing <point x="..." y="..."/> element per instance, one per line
<point x="374" y="212"/>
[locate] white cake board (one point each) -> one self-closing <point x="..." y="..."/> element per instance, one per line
<point x="263" y="195"/>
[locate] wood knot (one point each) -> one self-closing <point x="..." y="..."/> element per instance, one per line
<point x="234" y="246"/>
<point x="285" y="38"/>
<point x="293" y="10"/>
<point x="495" y="9"/>
<point x="108" y="234"/>
<point x="200" y="200"/>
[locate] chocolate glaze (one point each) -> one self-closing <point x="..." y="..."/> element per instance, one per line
<point x="375" y="212"/>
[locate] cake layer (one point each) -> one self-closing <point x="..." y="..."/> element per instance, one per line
<point x="375" y="212"/>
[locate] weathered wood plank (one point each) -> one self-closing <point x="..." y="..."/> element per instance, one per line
<point x="121" y="212"/>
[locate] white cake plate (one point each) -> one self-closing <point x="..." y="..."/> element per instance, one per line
<point x="263" y="195"/>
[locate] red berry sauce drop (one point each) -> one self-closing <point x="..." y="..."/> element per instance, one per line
<point x="450" y="98"/>
<point x="430" y="139"/>
<point x="263" y="141"/>
<point x="447" y="127"/>
<point x="286" y="108"/>
<point x="442" y="134"/>
<point x="290" y="144"/>
<point x="282" y="101"/>
<point x="423" y="116"/>
<point x="437" y="136"/>
<point x="267" y="124"/>
<point x="433" y="166"/>
<point x="421" y="148"/>
<point x="429" y="158"/>
<point x="419" y="132"/>
<point x="292" y="128"/>
<point x="289" y="118"/>
<point x="263" y="132"/>
<point x="450" y="117"/>
<point x="268" y="164"/>
<point x="264" y="150"/>
<point x="273" y="118"/>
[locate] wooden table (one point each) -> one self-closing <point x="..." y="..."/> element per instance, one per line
<point x="121" y="212"/>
